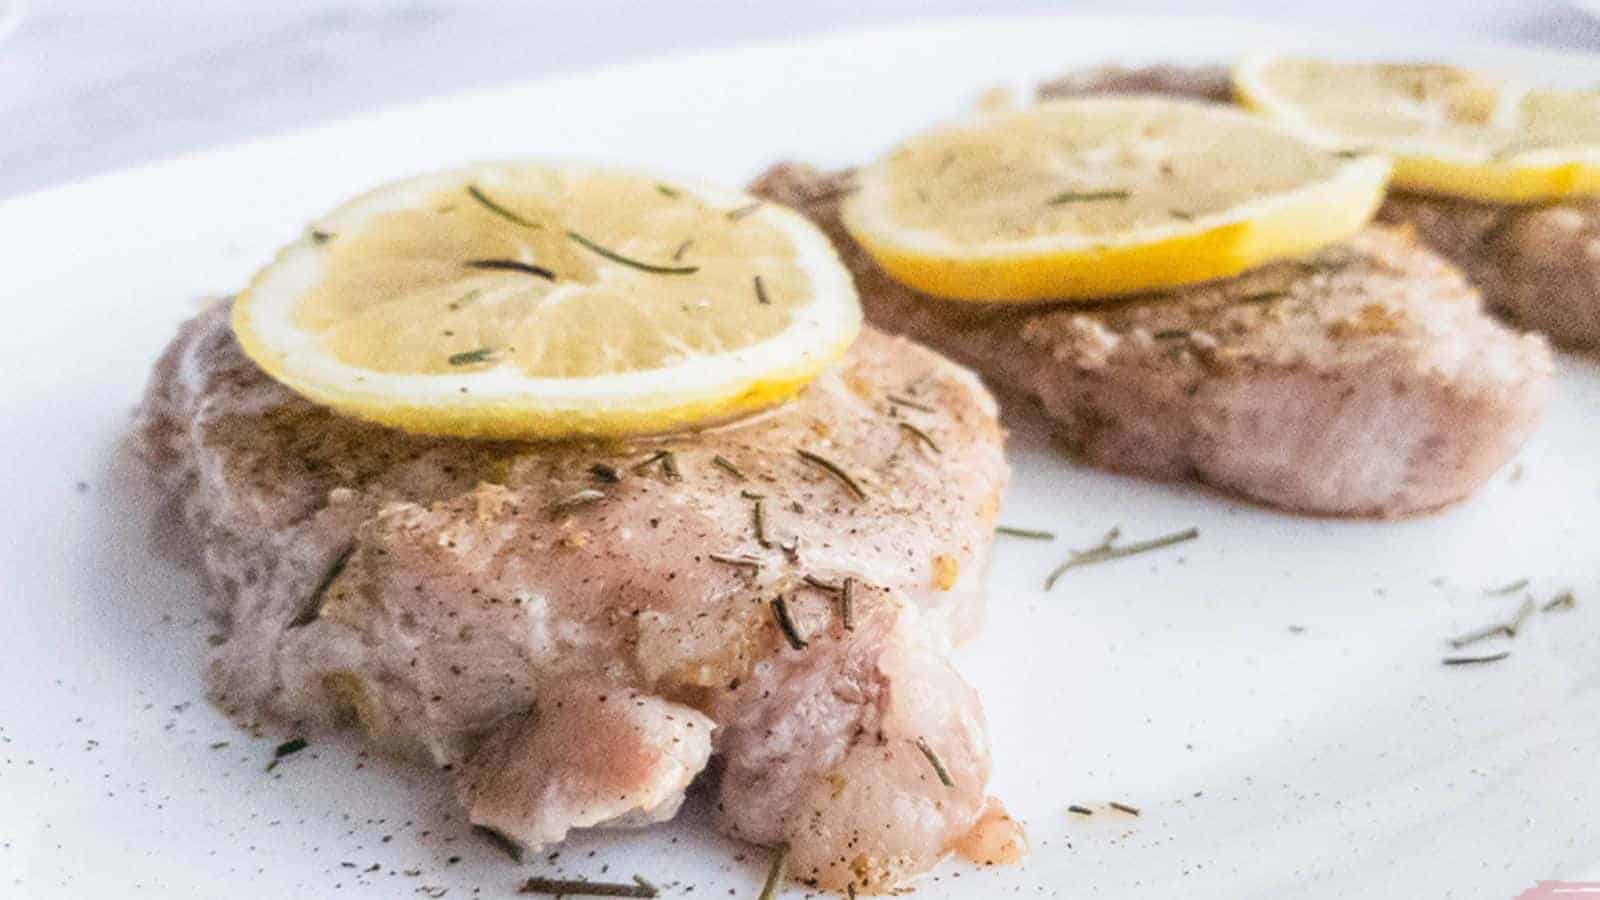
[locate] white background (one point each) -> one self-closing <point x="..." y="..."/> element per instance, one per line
<point x="88" y="86"/>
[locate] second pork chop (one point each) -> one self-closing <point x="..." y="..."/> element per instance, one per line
<point x="1364" y="382"/>
<point x="1537" y="264"/>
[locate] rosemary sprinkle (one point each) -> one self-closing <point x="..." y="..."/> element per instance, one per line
<point x="722" y="463"/>
<point x="1032" y="534"/>
<point x="775" y="873"/>
<point x="933" y="760"/>
<point x="1469" y="660"/>
<point x="478" y="195"/>
<point x="920" y="435"/>
<point x="1563" y="600"/>
<point x="562" y="887"/>
<point x="735" y="215"/>
<point x="313" y="607"/>
<point x="847" y="604"/>
<point x="1080" y="810"/>
<point x="470" y="357"/>
<point x="498" y="838"/>
<point x="511" y="265"/>
<point x="1123" y="807"/>
<point x="1107" y="551"/>
<point x="909" y="403"/>
<point x="1511" y="588"/>
<point x="616" y="257"/>
<point x="761" y="292"/>
<point x="833" y="469"/>
<point x="780" y="612"/>
<point x="606" y="473"/>
<point x="748" y="562"/>
<point x="1087" y="196"/>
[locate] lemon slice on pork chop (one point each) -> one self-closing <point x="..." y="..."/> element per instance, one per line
<point x="538" y="300"/>
<point x="1450" y="131"/>
<point x="1085" y="198"/>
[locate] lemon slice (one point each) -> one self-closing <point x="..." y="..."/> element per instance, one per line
<point x="1095" y="197"/>
<point x="1450" y="131"/>
<point x="535" y="300"/>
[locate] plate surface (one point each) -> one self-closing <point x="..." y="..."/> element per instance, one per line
<point x="1270" y="695"/>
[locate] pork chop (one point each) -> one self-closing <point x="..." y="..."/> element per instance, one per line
<point x="575" y="630"/>
<point x="1537" y="265"/>
<point x="1365" y="381"/>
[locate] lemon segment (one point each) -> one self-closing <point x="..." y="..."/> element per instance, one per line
<point x="1095" y="197"/>
<point x="546" y="301"/>
<point x="1450" y="131"/>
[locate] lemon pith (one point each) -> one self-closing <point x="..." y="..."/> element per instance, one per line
<point x="550" y="300"/>
<point x="1449" y="131"/>
<point x="1089" y="198"/>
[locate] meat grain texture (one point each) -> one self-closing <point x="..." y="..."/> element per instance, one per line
<point x="551" y="623"/>
<point x="1366" y="381"/>
<point x="1538" y="264"/>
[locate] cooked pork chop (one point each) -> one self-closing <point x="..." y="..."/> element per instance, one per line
<point x="575" y="630"/>
<point x="1363" y="382"/>
<point x="1538" y="265"/>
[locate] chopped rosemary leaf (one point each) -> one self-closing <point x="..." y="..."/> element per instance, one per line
<point x="1171" y="334"/>
<point x="722" y="463"/>
<point x="660" y="456"/>
<point x="1087" y="196"/>
<point x="775" y="873"/>
<point x="909" y="403"/>
<point x="575" y="500"/>
<point x="1469" y="660"/>
<point x="478" y="195"/>
<point x="1181" y="215"/>
<point x="616" y="257"/>
<point x="1521" y="618"/>
<point x="748" y="562"/>
<point x="920" y="435"/>
<point x="1563" y="600"/>
<point x="319" y="236"/>
<point x="1032" y="534"/>
<point x="833" y="469"/>
<point x="1511" y="588"/>
<point x="287" y="748"/>
<point x="505" y="844"/>
<point x="606" y="473"/>
<point x="470" y="357"/>
<point x="1080" y="810"/>
<point x="847" y="604"/>
<point x="821" y="585"/>
<point x="735" y="215"/>
<point x="677" y="255"/>
<point x="1472" y="637"/>
<point x="758" y="517"/>
<point x="933" y="760"/>
<point x="511" y="265"/>
<point x="1262" y="297"/>
<point x="761" y="292"/>
<point x="313" y="605"/>
<point x="562" y="887"/>
<point x="1123" y="807"/>
<point x="666" y="191"/>
<point x="669" y="466"/>
<point x="780" y="612"/>
<point x="1106" y="551"/>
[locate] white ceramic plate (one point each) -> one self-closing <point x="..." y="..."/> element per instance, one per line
<point x="1270" y="695"/>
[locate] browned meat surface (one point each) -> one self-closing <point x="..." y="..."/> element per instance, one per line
<point x="574" y="629"/>
<point x="1536" y="265"/>
<point x="1364" y="382"/>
